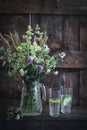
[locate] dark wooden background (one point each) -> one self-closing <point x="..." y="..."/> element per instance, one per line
<point x="66" y="26"/>
<point x="44" y="6"/>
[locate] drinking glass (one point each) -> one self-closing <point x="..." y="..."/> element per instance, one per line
<point x="54" y="102"/>
<point x="66" y="100"/>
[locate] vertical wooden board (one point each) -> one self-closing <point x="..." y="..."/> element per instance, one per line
<point x="83" y="33"/>
<point x="71" y="43"/>
<point x="11" y="23"/>
<point x="53" y="25"/>
<point x="71" y="32"/>
<point x="83" y="47"/>
<point x="83" y="73"/>
<point x="75" y="85"/>
<point x="83" y="88"/>
<point x="83" y="81"/>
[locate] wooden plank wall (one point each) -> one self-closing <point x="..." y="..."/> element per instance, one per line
<point x="67" y="32"/>
<point x="44" y="6"/>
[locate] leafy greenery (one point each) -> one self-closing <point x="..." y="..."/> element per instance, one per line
<point x="30" y="58"/>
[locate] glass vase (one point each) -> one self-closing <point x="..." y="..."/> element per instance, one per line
<point x="31" y="99"/>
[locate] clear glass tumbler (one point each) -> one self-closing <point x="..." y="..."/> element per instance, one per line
<point x="66" y="100"/>
<point x="54" y="102"/>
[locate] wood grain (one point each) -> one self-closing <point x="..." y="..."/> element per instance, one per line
<point x="44" y="7"/>
<point x="83" y="74"/>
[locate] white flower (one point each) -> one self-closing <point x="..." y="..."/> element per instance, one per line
<point x="55" y="72"/>
<point x="62" y="55"/>
<point x="48" y="70"/>
<point x="47" y="48"/>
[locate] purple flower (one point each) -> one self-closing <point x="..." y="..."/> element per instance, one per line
<point x="40" y="67"/>
<point x="29" y="60"/>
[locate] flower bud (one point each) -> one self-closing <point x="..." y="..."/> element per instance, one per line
<point x="40" y="67"/>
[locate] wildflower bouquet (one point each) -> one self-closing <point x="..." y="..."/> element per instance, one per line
<point x="29" y="58"/>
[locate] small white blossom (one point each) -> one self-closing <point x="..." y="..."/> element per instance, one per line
<point x="47" y="48"/>
<point x="48" y="70"/>
<point x="62" y="55"/>
<point x="55" y="72"/>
